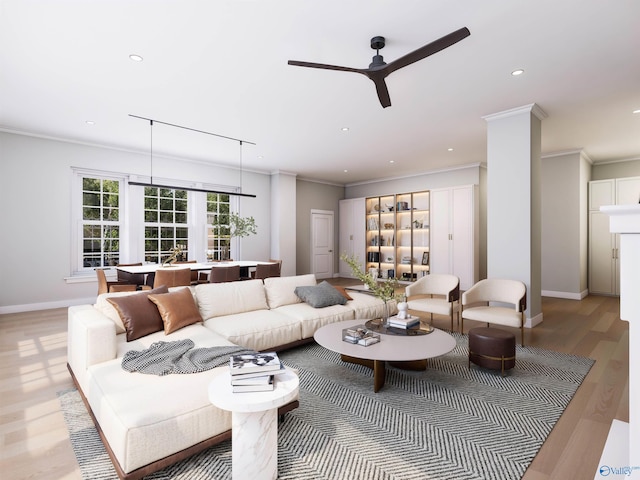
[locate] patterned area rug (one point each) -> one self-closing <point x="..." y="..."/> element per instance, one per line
<point x="443" y="423"/>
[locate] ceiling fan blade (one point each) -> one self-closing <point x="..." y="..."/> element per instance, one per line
<point x="324" y="66"/>
<point x="429" y="49"/>
<point x="383" y="92"/>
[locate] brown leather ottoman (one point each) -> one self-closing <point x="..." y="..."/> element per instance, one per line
<point x="492" y="348"/>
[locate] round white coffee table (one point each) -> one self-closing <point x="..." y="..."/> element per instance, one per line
<point x="254" y="424"/>
<point x="408" y="352"/>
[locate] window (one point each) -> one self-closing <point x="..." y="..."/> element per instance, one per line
<point x="165" y="223"/>
<point x="218" y="240"/>
<point x="101" y="222"/>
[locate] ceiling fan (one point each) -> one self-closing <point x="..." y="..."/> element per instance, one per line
<point x="379" y="69"/>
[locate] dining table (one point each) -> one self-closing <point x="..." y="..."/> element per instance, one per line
<point x="151" y="268"/>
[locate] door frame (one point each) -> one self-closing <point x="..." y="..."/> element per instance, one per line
<point x="333" y="240"/>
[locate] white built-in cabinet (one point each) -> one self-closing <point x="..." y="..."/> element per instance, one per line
<point x="352" y="232"/>
<point x="604" y="260"/>
<point x="454" y="233"/>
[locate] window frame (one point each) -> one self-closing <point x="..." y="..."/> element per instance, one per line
<point x="78" y="222"/>
<point x="131" y="219"/>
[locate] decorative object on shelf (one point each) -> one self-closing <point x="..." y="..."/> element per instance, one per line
<point x="417" y="224"/>
<point x="389" y="207"/>
<point x="425" y="258"/>
<point x="388" y="226"/>
<point x="384" y="290"/>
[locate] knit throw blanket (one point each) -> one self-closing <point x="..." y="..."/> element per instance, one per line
<point x="164" y="358"/>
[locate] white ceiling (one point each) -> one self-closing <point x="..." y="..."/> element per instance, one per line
<point x="221" y="66"/>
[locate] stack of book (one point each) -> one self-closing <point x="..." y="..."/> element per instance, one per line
<point x="360" y="335"/>
<point x="254" y="372"/>
<point x="409" y="322"/>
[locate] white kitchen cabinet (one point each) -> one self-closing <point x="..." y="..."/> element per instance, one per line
<point x="454" y="233"/>
<point x="604" y="261"/>
<point x="352" y="232"/>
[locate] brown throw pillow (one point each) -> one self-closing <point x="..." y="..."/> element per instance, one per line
<point x="139" y="316"/>
<point x="177" y="309"/>
<point x="343" y="292"/>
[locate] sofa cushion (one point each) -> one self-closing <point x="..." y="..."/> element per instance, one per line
<point x="311" y="319"/>
<point x="365" y="306"/>
<point x="218" y="299"/>
<point x="147" y="417"/>
<point x="281" y="290"/>
<point x="260" y="330"/>
<point x="177" y="309"/>
<point x="319" y="296"/>
<point x="139" y="316"/>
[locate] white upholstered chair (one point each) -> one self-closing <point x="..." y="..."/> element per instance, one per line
<point x="443" y="295"/>
<point x="485" y="302"/>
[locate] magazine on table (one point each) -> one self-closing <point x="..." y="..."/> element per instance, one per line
<point x="252" y="380"/>
<point x="259" y="373"/>
<point x="265" y="387"/>
<point x="254" y="362"/>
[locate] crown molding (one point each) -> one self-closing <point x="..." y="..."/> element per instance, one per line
<point x="426" y="172"/>
<point x="533" y="108"/>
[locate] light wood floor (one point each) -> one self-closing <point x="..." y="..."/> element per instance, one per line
<point x="35" y="444"/>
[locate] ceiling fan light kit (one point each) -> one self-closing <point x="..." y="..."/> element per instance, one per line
<point x="378" y="69"/>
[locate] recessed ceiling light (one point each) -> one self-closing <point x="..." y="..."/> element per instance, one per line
<point x="517" y="72"/>
<point x="135" y="58"/>
<point x="449" y="149"/>
<point x="345" y="129"/>
<point x="90" y="122"/>
<point x="345" y="170"/>
<point x="637" y="111"/>
<point x="260" y="157"/>
<point x="392" y="161"/>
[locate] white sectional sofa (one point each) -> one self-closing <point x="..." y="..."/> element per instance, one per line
<point x="148" y="422"/>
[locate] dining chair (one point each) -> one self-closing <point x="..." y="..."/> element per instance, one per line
<point x="230" y="273"/>
<point x="194" y="273"/>
<point x="172" y="277"/>
<point x="266" y="270"/>
<point x="272" y="269"/>
<point x="105" y="286"/>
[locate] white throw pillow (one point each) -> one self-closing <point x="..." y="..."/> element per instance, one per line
<point x="282" y="290"/>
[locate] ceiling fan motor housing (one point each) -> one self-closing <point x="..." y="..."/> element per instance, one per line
<point x="377" y="43"/>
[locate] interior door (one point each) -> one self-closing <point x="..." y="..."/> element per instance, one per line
<point x="322" y="243"/>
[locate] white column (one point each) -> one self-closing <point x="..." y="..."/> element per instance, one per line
<point x="513" y="201"/>
<point x="625" y="220"/>
<point x="283" y="221"/>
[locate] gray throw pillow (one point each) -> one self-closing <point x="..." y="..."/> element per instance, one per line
<point x="322" y="295"/>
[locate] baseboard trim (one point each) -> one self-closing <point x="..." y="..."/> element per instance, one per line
<point x="532" y="322"/>
<point x="31" y="307"/>
<point x="567" y="295"/>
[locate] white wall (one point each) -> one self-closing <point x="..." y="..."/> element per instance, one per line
<point x="564" y="182"/>
<point x="35" y="194"/>
<point x="468" y="175"/>
<point x="316" y="196"/>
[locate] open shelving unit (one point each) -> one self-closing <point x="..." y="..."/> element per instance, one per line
<point x="397" y="235"/>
